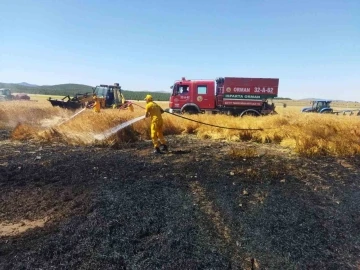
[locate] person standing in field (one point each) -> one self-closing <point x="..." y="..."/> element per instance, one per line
<point x="154" y="111"/>
<point x="126" y="104"/>
<point x="96" y="104"/>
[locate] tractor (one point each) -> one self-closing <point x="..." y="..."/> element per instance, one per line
<point x="110" y="96"/>
<point x="5" y="94"/>
<point x="319" y="106"/>
<point x="323" y="106"/>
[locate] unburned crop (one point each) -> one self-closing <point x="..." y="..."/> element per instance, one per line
<point x="305" y="134"/>
<point x="243" y="152"/>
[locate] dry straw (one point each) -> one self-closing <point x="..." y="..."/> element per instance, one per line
<point x="305" y="134"/>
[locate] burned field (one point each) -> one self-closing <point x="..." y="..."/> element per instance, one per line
<point x="204" y="205"/>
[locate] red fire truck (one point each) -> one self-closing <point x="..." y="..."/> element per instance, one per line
<point x="229" y="95"/>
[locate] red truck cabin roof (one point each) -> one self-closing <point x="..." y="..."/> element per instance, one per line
<point x="258" y="86"/>
<point x="185" y="81"/>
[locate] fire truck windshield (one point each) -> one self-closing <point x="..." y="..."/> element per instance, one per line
<point x="174" y="88"/>
<point x="180" y="89"/>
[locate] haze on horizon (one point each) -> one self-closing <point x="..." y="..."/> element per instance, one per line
<point x="312" y="47"/>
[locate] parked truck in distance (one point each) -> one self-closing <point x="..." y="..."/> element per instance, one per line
<point x="229" y="95"/>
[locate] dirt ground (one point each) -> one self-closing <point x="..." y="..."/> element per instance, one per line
<point x="196" y="207"/>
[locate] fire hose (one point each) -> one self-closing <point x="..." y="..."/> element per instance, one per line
<point x="203" y="123"/>
<point x="115" y="129"/>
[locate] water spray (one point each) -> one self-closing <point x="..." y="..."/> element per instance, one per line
<point x="115" y="129"/>
<point x="72" y="116"/>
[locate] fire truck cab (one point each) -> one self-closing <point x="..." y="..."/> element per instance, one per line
<point x="192" y="96"/>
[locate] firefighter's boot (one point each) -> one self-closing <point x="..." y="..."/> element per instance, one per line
<point x="164" y="147"/>
<point x="157" y="150"/>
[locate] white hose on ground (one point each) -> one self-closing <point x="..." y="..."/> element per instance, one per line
<point x="113" y="130"/>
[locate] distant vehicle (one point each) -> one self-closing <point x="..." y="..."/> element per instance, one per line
<point x="319" y="106"/>
<point x="5" y="94"/>
<point x="22" y="97"/>
<point x="108" y="95"/>
<point x="229" y="95"/>
<point x="323" y="106"/>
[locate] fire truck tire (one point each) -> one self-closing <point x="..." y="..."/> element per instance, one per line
<point x="189" y="110"/>
<point x="249" y="113"/>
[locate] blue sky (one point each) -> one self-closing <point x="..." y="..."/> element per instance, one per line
<point x="313" y="47"/>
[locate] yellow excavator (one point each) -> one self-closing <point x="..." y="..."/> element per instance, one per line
<point x="110" y="96"/>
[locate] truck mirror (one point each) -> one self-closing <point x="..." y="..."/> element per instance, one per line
<point x="171" y="87"/>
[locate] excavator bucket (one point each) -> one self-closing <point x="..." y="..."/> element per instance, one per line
<point x="78" y="101"/>
<point x="65" y="104"/>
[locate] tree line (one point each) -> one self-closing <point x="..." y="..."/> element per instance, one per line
<point x="73" y="89"/>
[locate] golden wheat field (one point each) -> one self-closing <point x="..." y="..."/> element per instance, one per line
<point x="304" y="134"/>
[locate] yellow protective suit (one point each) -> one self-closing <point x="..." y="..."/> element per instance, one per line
<point x="122" y="99"/>
<point x="131" y="107"/>
<point x="97" y="106"/>
<point x="154" y="111"/>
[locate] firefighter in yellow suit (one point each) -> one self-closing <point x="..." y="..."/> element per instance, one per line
<point x="154" y="111"/>
<point x="129" y="106"/>
<point x="96" y="104"/>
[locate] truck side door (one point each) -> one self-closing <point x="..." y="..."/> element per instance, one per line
<point x="204" y="95"/>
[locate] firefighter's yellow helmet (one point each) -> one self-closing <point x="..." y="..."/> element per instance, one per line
<point x="148" y="98"/>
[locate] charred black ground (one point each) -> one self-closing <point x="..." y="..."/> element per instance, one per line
<point x="197" y="207"/>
